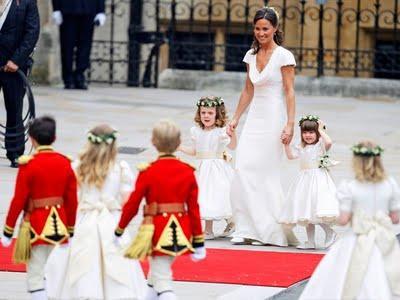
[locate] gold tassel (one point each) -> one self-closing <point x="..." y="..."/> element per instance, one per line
<point x="142" y="245"/>
<point x="22" y="248"/>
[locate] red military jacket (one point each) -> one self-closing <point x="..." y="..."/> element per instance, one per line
<point x="168" y="181"/>
<point x="43" y="178"/>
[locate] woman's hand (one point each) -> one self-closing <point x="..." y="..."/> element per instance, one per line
<point x="287" y="134"/>
<point x="230" y="129"/>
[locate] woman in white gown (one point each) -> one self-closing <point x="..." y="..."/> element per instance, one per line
<point x="364" y="264"/>
<point x="93" y="267"/>
<point x="257" y="194"/>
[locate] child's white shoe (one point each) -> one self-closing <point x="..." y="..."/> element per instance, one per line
<point x="167" y="295"/>
<point x="238" y="241"/>
<point x="151" y="293"/>
<point x="306" y="245"/>
<point x="257" y="243"/>
<point x="229" y="229"/>
<point x="39" y="295"/>
<point x="209" y="236"/>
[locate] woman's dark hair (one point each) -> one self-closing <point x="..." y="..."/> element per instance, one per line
<point x="43" y="130"/>
<point x="269" y="14"/>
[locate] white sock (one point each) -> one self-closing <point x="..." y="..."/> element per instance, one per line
<point x="311" y="233"/>
<point x="329" y="232"/>
<point x="291" y="237"/>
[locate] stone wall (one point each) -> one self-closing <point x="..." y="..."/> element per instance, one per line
<point x="304" y="85"/>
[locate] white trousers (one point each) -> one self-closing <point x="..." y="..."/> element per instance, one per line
<point x="160" y="275"/>
<point x="35" y="267"/>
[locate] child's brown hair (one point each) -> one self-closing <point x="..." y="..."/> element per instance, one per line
<point x="221" y="116"/>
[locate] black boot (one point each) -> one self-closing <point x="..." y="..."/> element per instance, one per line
<point x="80" y="82"/>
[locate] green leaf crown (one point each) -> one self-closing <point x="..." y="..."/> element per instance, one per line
<point x="361" y="150"/>
<point x="308" y="118"/>
<point x="210" y="101"/>
<point x="102" y="138"/>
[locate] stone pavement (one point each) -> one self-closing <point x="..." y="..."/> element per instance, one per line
<point x="133" y="111"/>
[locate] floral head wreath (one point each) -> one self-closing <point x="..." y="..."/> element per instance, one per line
<point x="274" y="10"/>
<point x="309" y="118"/>
<point x="361" y="150"/>
<point x="210" y="101"/>
<point x="102" y="138"/>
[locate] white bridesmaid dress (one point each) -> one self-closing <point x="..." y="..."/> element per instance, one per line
<point x="214" y="175"/>
<point x="365" y="263"/>
<point x="256" y="193"/>
<point x="92" y="267"/>
<point x="311" y="197"/>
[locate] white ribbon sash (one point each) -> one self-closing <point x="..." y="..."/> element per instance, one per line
<point x="370" y="231"/>
<point x="96" y="230"/>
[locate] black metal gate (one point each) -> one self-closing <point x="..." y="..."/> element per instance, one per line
<point x="358" y="38"/>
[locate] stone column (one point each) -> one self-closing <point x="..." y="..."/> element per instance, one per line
<point x="47" y="66"/>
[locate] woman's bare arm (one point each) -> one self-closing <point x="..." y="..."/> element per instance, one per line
<point x="245" y="98"/>
<point x="288" y="87"/>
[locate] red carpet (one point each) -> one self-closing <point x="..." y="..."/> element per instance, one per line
<point x="276" y="269"/>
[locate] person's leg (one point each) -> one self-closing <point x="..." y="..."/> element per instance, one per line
<point x="310" y="243"/>
<point x="14" y="92"/>
<point x="35" y="271"/>
<point x="209" y="233"/>
<point x="229" y="228"/>
<point x="161" y="276"/>
<point x="330" y="235"/>
<point x="68" y="36"/>
<point x="291" y="237"/>
<point x="84" y="46"/>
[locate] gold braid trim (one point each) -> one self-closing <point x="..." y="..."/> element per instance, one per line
<point x="8" y="229"/>
<point x="119" y="231"/>
<point x="198" y="238"/>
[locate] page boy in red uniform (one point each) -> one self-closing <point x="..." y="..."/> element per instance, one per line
<point x="45" y="191"/>
<point x="171" y="225"/>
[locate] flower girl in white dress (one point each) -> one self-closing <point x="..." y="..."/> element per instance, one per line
<point x="364" y="264"/>
<point x="93" y="267"/>
<point x="215" y="173"/>
<point x="311" y="198"/>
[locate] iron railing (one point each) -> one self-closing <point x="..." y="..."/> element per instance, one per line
<point x="357" y="38"/>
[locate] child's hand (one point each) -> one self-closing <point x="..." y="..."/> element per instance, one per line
<point x="321" y="125"/>
<point x="231" y="126"/>
<point x="231" y="132"/>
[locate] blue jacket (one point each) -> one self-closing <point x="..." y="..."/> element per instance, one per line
<point x="20" y="33"/>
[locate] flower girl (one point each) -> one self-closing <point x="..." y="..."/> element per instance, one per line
<point x="364" y="264"/>
<point x="93" y="267"/>
<point x="214" y="174"/>
<point x="311" y="198"/>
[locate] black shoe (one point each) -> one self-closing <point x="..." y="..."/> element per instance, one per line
<point x="69" y="86"/>
<point x="14" y="163"/>
<point x="81" y="85"/>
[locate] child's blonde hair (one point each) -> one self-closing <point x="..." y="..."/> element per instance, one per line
<point x="221" y="116"/>
<point x="367" y="165"/>
<point x="166" y="136"/>
<point x="98" y="156"/>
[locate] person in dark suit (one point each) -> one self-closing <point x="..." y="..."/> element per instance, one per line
<point x="19" y="32"/>
<point x="76" y="19"/>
